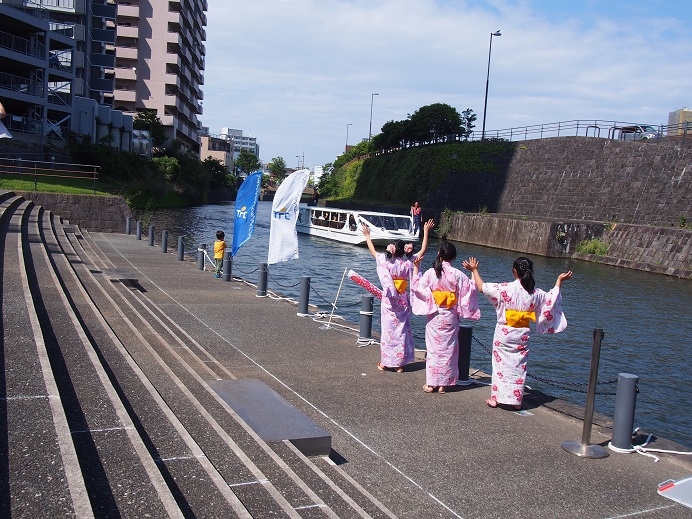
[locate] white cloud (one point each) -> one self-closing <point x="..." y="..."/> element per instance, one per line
<point x="294" y="73"/>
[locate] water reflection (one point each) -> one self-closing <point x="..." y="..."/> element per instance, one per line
<point x="645" y="317"/>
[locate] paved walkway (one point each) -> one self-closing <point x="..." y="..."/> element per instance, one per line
<point x="421" y="455"/>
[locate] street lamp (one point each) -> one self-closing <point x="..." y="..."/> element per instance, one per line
<point x="346" y="148"/>
<point x="298" y="157"/>
<point x="487" y="80"/>
<point x="372" y="97"/>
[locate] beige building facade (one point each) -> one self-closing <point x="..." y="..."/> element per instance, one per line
<point x="159" y="63"/>
<point x="680" y="122"/>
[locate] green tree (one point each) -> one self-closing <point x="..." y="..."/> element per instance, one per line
<point x="247" y="162"/>
<point x="148" y="120"/>
<point x="219" y="176"/>
<point x="432" y="123"/>
<point x="277" y="167"/>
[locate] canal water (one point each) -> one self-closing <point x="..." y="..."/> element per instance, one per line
<point x="645" y="317"/>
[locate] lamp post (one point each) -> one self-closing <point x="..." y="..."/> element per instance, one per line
<point x="487" y="80"/>
<point x="298" y="157"/>
<point x="372" y="97"/>
<point x="346" y="148"/>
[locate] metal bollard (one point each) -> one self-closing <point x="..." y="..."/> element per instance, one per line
<point x="200" y="255"/>
<point x="227" y="268"/>
<point x="164" y="241"/>
<point x="584" y="449"/>
<point x="181" y="248"/>
<point x="623" y="417"/>
<point x="263" y="272"/>
<point x="464" y="362"/>
<point x="128" y="225"/>
<point x="151" y="236"/>
<point x="304" y="300"/>
<point x="365" y="330"/>
<point x="139" y="230"/>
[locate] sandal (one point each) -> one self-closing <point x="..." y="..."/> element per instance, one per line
<point x="491" y="403"/>
<point x="428" y="389"/>
<point x="400" y="369"/>
<point x="441" y="390"/>
<point x="381" y="367"/>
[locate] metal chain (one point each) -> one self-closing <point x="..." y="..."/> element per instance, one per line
<point x="243" y="272"/>
<point x="282" y="286"/>
<point x="567" y="386"/>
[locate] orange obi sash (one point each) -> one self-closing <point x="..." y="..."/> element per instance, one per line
<point x="401" y="285"/>
<point x="519" y="318"/>
<point x="444" y="299"/>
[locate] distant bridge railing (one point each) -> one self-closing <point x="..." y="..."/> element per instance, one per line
<point x="580" y="127"/>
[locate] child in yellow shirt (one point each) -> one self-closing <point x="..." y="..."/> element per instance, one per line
<point x="219" y="249"/>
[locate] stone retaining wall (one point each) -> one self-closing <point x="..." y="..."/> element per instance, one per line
<point x="660" y="250"/>
<point x="94" y="213"/>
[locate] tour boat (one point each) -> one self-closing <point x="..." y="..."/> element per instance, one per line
<point x="344" y="225"/>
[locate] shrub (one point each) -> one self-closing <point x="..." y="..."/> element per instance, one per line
<point x="592" y="246"/>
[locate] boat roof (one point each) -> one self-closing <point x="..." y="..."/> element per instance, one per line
<point x="379" y="213"/>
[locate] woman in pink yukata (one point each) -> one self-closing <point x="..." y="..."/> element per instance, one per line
<point x="394" y="269"/>
<point x="444" y="294"/>
<point x="517" y="304"/>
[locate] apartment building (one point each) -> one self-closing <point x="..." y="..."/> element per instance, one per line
<point x="218" y="147"/>
<point x="159" y="63"/>
<point x="240" y="142"/>
<point x="56" y="70"/>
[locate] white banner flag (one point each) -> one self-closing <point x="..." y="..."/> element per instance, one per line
<point x="283" y="239"/>
<point x="4" y="134"/>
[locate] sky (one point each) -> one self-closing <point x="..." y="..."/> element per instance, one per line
<point x="299" y="75"/>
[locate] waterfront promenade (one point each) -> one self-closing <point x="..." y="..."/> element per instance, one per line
<point x="110" y="349"/>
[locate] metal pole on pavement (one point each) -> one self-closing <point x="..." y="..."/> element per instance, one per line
<point x="584" y="449"/>
<point x="365" y="330"/>
<point x="227" y="267"/>
<point x="464" y="362"/>
<point x="263" y="272"/>
<point x="151" y="235"/>
<point x="200" y="255"/>
<point x="139" y="229"/>
<point x="128" y="225"/>
<point x="623" y="416"/>
<point x="304" y="300"/>
<point x="164" y="241"/>
<point x="181" y="248"/>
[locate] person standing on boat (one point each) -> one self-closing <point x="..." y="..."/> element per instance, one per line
<point x="394" y="268"/>
<point x="315" y="197"/>
<point x="443" y="294"/>
<point x="517" y="304"/>
<point x="416" y="211"/>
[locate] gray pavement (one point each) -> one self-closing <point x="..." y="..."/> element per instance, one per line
<point x="420" y="455"/>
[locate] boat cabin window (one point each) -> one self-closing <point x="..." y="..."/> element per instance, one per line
<point x="352" y="222"/>
<point x="391" y="223"/>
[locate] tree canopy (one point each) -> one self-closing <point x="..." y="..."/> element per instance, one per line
<point x="149" y="120"/>
<point x="277" y="167"/>
<point x="247" y="162"/>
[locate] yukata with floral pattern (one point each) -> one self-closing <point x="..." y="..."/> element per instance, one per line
<point x="443" y="300"/>
<point x="516" y="308"/>
<point x="396" y="340"/>
<point x="394" y="269"/>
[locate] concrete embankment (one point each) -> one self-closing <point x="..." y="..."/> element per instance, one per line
<point x="662" y="250"/>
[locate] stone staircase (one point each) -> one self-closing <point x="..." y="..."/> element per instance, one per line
<point x="108" y="407"/>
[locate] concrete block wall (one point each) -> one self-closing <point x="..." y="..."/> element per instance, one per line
<point x="94" y="213"/>
<point x="587" y="178"/>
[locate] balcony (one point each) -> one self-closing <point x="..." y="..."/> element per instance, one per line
<point x="126" y="52"/>
<point x="127" y="73"/>
<point x="104" y="10"/>
<point x="101" y="85"/>
<point x="103" y="35"/>
<point x="103" y="60"/>
<point x="127" y="31"/>
<point x="125" y="96"/>
<point x="130" y="11"/>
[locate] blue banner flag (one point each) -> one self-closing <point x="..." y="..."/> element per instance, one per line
<point x="246" y="210"/>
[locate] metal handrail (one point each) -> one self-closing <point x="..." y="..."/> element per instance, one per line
<point x="40" y="168"/>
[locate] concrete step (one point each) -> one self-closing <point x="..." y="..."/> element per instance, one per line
<point x="39" y="465"/>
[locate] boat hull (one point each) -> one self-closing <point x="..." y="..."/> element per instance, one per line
<point x="344" y="225"/>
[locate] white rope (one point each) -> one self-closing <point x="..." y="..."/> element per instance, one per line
<point x="641" y="449"/>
